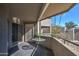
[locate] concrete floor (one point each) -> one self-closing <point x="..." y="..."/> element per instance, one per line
<point x="40" y="51"/>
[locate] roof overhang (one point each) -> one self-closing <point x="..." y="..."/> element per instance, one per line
<point x="32" y="12"/>
<point x="27" y="12"/>
<point x="53" y="9"/>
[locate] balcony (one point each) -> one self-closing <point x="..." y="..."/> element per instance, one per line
<point x="20" y="31"/>
<point x="46" y="46"/>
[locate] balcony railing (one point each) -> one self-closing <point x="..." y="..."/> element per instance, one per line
<point x="61" y="46"/>
<point x="73" y="45"/>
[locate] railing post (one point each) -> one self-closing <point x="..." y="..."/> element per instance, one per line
<point x="73" y="34"/>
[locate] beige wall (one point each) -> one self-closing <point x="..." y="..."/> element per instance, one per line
<point x="57" y="48"/>
<point x="60" y="50"/>
<point x="46" y="26"/>
<point x="28" y="32"/>
<point x="46" y="22"/>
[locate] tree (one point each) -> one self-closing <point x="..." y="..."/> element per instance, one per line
<point x="56" y="30"/>
<point x="70" y="25"/>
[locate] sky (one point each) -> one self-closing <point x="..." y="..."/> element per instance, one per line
<point x="71" y="15"/>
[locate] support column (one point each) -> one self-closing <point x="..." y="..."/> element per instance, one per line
<point x="33" y="31"/>
<point x="39" y="27"/>
<point x="23" y="37"/>
<point x="50" y="29"/>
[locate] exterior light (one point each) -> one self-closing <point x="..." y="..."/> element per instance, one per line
<point x="15" y="19"/>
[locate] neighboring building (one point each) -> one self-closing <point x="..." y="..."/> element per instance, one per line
<point x="46" y="26"/>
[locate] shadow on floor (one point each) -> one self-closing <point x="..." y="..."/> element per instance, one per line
<point x="12" y="50"/>
<point x="33" y="43"/>
<point x="43" y="51"/>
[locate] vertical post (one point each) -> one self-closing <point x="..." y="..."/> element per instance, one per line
<point x="39" y="30"/>
<point x="39" y="27"/>
<point x="65" y="30"/>
<point x="24" y="33"/>
<point x="73" y="33"/>
<point x="33" y="31"/>
<point x="50" y="29"/>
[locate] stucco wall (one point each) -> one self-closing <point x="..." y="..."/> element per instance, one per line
<point x="60" y="50"/>
<point x="3" y="31"/>
<point x="9" y="34"/>
<point x="3" y="36"/>
<point x="46" y="22"/>
<point x="57" y="48"/>
<point x="28" y="31"/>
<point x="46" y="41"/>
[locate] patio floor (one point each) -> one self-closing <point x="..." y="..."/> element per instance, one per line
<point x="19" y="50"/>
